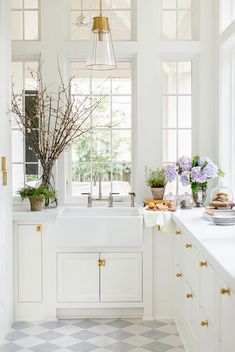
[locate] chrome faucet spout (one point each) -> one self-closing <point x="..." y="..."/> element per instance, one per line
<point x="97" y="174"/>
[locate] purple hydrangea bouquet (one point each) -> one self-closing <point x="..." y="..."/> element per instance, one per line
<point x="195" y="172"/>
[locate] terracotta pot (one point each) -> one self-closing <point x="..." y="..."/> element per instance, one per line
<point x="35" y="203"/>
<point x="158" y="192"/>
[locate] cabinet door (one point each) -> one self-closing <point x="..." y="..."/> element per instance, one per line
<point x="29" y="263"/>
<point x="78" y="277"/>
<point x="121" y="277"/>
<point x="227" y="316"/>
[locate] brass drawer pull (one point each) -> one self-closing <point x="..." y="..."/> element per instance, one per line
<point x="189" y="295"/>
<point x="203" y="264"/>
<point x="38" y="228"/>
<point x="178" y="232"/>
<point x="188" y="245"/>
<point x="179" y="275"/>
<point x="204" y="323"/>
<point x="225" y="291"/>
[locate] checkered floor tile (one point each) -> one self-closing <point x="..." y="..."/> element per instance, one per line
<point x="85" y="335"/>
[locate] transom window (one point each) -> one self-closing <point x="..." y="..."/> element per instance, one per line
<point x="118" y="11"/>
<point x="177" y="19"/>
<point x="177" y="113"/>
<point x="25" y="168"/>
<point x="24" y="19"/>
<point x="106" y="152"/>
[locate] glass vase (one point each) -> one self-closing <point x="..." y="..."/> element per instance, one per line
<point x="199" y="196"/>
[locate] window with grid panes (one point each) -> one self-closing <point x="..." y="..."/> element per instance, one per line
<point x="177" y="16"/>
<point x="25" y="19"/>
<point x="177" y="114"/>
<point x="118" y="12"/>
<point x="107" y="150"/>
<point x="25" y="168"/>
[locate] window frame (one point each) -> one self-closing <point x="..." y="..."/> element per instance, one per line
<point x="194" y="9"/>
<point x="195" y="68"/>
<point x="23" y="9"/>
<point x="16" y="198"/>
<point x="227" y="111"/>
<point x="67" y="158"/>
<point x="228" y="12"/>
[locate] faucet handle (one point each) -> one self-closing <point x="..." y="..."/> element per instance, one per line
<point x="110" y="200"/>
<point x="89" y="198"/>
<point x="132" y="194"/>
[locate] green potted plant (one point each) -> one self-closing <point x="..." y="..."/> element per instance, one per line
<point x="36" y="195"/>
<point x="156" y="179"/>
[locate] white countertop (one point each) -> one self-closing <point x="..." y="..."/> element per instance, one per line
<point x="217" y="243"/>
<point x="21" y="213"/>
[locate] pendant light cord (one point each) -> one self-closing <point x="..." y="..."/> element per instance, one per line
<point x="100" y="8"/>
<point x="81" y="7"/>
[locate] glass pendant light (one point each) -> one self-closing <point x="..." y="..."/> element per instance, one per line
<point x="101" y="53"/>
<point x="82" y="20"/>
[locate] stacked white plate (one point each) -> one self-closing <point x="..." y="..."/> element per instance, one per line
<point x="224" y="218"/>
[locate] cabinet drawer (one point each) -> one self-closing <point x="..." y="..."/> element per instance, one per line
<point x="207" y="284"/>
<point x="227" y="300"/>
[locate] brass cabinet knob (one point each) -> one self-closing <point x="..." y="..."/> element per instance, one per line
<point x="204" y="323"/>
<point x="179" y="274"/>
<point x="101" y="262"/>
<point x="189" y="295"/>
<point x="203" y="263"/>
<point x="178" y="232"/>
<point x="225" y="291"/>
<point x="188" y="245"/>
<point x="38" y="228"/>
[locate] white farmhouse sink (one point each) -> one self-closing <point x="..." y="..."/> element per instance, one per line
<point x="102" y="227"/>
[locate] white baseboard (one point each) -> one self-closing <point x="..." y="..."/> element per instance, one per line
<point x="6" y="318"/>
<point x="79" y="313"/>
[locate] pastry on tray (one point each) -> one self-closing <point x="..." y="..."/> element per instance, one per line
<point x="221" y="200"/>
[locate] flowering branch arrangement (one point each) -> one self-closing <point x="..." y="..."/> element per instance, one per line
<point x="53" y="120"/>
<point x="195" y="172"/>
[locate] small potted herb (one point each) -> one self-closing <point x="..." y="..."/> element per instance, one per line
<point x="157" y="181"/>
<point x="36" y="195"/>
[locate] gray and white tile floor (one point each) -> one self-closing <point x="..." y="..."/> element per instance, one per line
<point x="99" y="335"/>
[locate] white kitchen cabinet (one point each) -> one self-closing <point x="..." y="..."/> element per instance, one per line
<point x="99" y="277"/>
<point x="207" y="288"/>
<point x="29" y="263"/>
<point x="227" y="316"/>
<point x="121" y="277"/>
<point x="207" y="336"/>
<point x="191" y="310"/>
<point x="190" y="260"/>
<point x="78" y="277"/>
